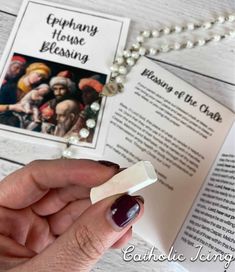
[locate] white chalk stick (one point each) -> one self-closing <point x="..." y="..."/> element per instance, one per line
<point x="130" y="180"/>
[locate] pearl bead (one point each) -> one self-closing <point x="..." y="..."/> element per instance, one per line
<point x="231" y="33"/>
<point x="122" y="70"/>
<point x="135" y="55"/>
<point x="95" y="106"/>
<point x="178" y="29"/>
<point x="67" y="153"/>
<point x="189" y="44"/>
<point x="221" y="19"/>
<point x="142" y="51"/>
<point x="130" y="61"/>
<point x="166" y="30"/>
<point x="127" y="53"/>
<point x="114" y="68"/>
<point x="155" y="33"/>
<point x="90" y="123"/>
<point x="136" y="45"/>
<point x="114" y="74"/>
<point x="201" y="42"/>
<point x="140" y="39"/>
<point x="216" y="38"/>
<point x="120" y="60"/>
<point x="231" y="18"/>
<point x="146" y="33"/>
<point x="73" y="140"/>
<point x="120" y="79"/>
<point x="152" y="51"/>
<point x="190" y="26"/>
<point x="207" y="25"/>
<point x="84" y="133"/>
<point x="165" y="48"/>
<point x="177" y="45"/>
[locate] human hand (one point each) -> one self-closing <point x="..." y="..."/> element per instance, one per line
<point x="48" y="222"/>
<point x="17" y="107"/>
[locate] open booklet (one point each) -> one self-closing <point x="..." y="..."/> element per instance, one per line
<point x="181" y="130"/>
<point x="52" y="71"/>
<point x="189" y="138"/>
<point x="208" y="232"/>
<point x="158" y="117"/>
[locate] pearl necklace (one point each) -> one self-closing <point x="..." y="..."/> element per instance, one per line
<point x="123" y="63"/>
<point x="83" y="132"/>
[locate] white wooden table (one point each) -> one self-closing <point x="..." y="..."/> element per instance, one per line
<point x="210" y="68"/>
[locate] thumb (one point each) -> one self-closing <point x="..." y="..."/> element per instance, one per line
<point x="96" y="230"/>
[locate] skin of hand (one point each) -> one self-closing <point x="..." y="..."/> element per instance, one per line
<point x="17" y="107"/>
<point x="47" y="222"/>
<point x="36" y="96"/>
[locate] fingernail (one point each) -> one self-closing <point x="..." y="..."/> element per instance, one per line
<point x="121" y="169"/>
<point x="109" y="164"/>
<point x="124" y="210"/>
<point x="140" y="198"/>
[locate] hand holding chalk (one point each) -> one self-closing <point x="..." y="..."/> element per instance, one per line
<point x="128" y="181"/>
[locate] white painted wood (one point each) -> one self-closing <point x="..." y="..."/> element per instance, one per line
<point x="6" y="24"/>
<point x="216" y="61"/>
<point x="7" y="167"/>
<point x="224" y="93"/>
<point x="218" y="90"/>
<point x="150" y="13"/>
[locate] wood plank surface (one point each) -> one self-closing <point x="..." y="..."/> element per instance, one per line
<point x="210" y="69"/>
<point x="152" y="14"/>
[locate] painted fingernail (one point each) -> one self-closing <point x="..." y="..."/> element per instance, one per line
<point x="122" y="169"/>
<point x="124" y="210"/>
<point x="140" y="198"/>
<point x="109" y="164"/>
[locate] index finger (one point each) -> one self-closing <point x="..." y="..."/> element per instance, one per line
<point x="30" y="183"/>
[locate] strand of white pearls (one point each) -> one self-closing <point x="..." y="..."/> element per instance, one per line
<point x="82" y="134"/>
<point x="129" y="57"/>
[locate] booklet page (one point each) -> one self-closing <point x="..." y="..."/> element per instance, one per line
<point x="161" y="118"/>
<point x="208" y="233"/>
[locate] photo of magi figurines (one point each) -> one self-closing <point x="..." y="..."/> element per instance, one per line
<point x="51" y="98"/>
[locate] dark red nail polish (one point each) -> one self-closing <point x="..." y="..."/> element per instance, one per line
<point x="122" y="169"/>
<point x="109" y="164"/>
<point x="124" y="210"/>
<point x="140" y="198"/>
